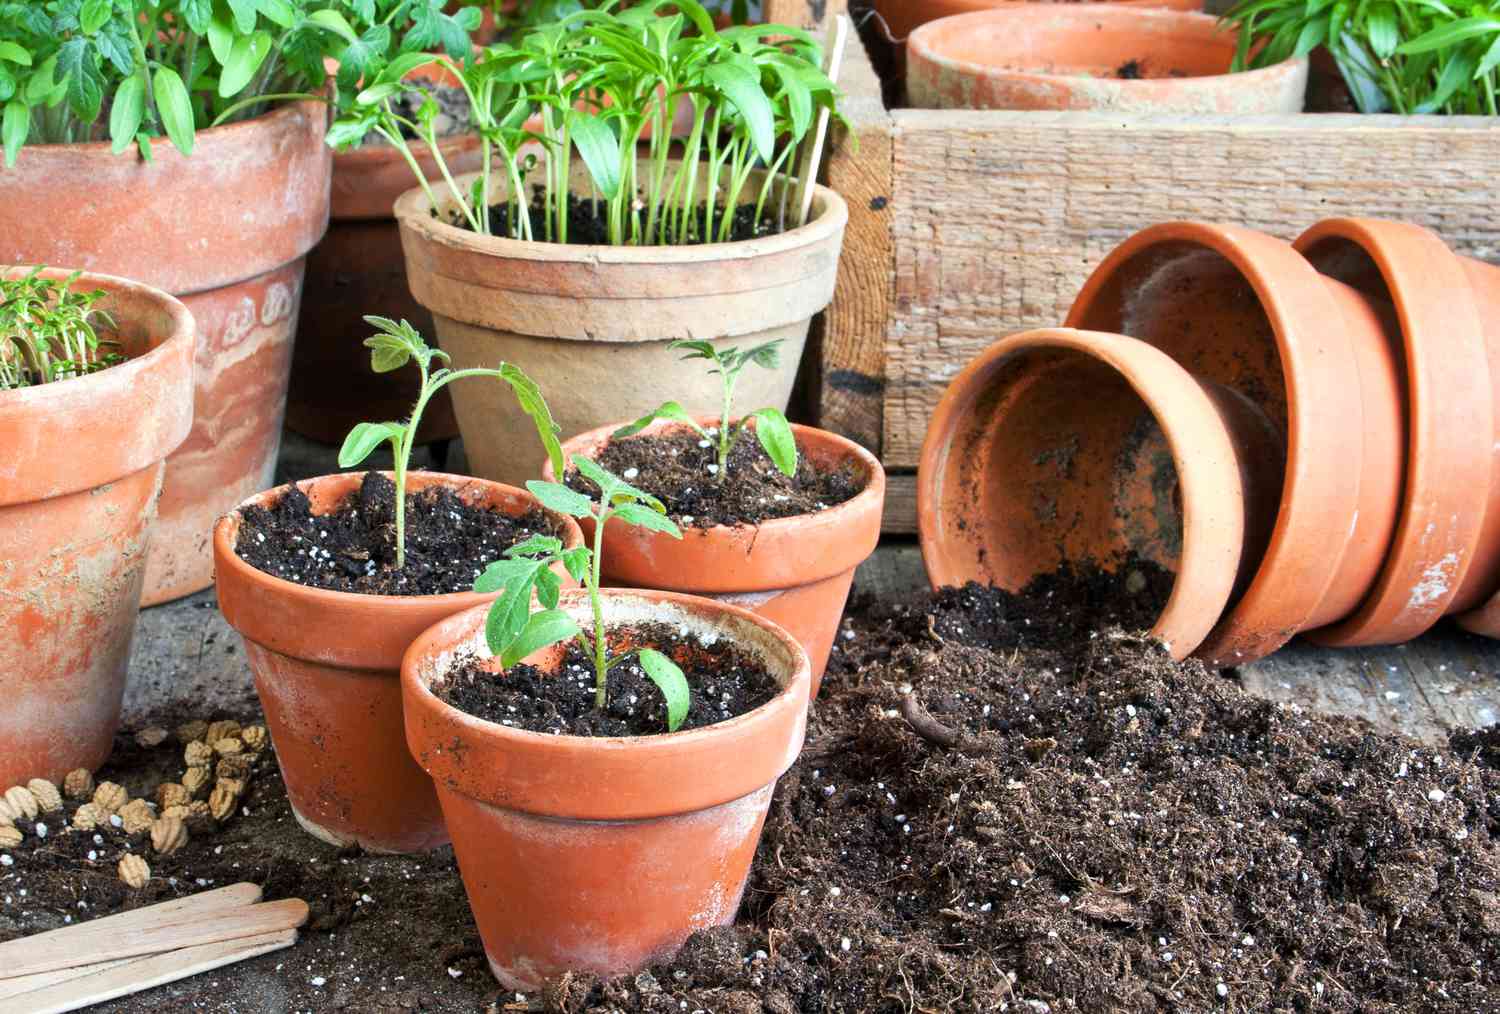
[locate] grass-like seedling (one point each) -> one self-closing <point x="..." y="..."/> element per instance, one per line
<point x="393" y="347"/>
<point x="47" y="331"/>
<point x="771" y="427"/>
<point x="513" y="631"/>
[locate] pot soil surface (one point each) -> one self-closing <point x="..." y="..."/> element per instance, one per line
<point x="588" y="220"/>
<point x="726" y="682"/>
<point x="353" y="549"/>
<point x="676" y="467"/>
<point x="1002" y="800"/>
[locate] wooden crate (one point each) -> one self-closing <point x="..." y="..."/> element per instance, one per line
<point x="968" y="226"/>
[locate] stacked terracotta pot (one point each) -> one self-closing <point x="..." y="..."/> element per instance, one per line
<point x="1303" y="432"/>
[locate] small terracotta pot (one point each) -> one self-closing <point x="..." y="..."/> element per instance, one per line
<point x="1446" y="552"/>
<point x="582" y="317"/>
<point x="1067" y="56"/>
<point x="79" y="479"/>
<point x="902" y="17"/>
<point x="795" y="572"/>
<point x="602" y="855"/>
<point x="225" y="230"/>
<point x="1058" y="446"/>
<point x="326" y="665"/>
<point x="1245" y="310"/>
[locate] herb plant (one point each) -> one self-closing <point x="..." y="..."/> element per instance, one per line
<point x="47" y="331"/>
<point x="594" y="84"/>
<point x="393" y="347"/>
<point x="771" y="427"/>
<point x="513" y="631"/>
<point x="1403" y="56"/>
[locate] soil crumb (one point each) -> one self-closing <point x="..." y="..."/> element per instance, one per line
<point x="1130" y="70"/>
<point x="588" y="222"/>
<point x="353" y="549"/>
<point x="674" y="466"/>
<point x="725" y="681"/>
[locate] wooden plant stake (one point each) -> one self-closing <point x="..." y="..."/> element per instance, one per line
<point x="812" y="151"/>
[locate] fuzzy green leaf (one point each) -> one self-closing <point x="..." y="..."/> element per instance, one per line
<point x="645" y="517"/>
<point x="529" y="396"/>
<point x="126" y="112"/>
<point x="670" y="680"/>
<point x="557" y="497"/>
<point x="500" y="573"/>
<point x="668" y="410"/>
<point x="175" y="108"/>
<point x="775" y="435"/>
<point x="364" y="438"/>
<point x="543" y="629"/>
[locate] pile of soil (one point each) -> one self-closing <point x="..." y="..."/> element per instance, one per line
<point x="674" y="466"/>
<point x="588" y="221"/>
<point x="725" y="681"/>
<point x="353" y="548"/>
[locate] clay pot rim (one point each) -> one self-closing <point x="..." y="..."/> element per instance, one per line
<point x="226" y="536"/>
<point x="382" y="154"/>
<point x="829" y="214"/>
<point x="282" y="110"/>
<point x="1209" y="580"/>
<point x="920" y="48"/>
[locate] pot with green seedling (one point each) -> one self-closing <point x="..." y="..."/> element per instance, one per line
<point x="774" y="516"/>
<point x="604" y="758"/>
<point x="330" y="579"/>
<point x="96" y="389"/>
<point x="590" y="239"/>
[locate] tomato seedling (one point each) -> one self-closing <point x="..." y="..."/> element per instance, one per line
<point x="47" y="331"/>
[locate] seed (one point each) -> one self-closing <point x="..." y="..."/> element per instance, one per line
<point x="168" y="834"/>
<point x="222" y="801"/>
<point x="228" y="746"/>
<point x="255" y="737"/>
<point x="226" y="728"/>
<point x="89" y="816"/>
<point x="9" y="837"/>
<point x="134" y="871"/>
<point x="233" y="766"/>
<point x="197" y="781"/>
<point x="136" y="816"/>
<point x="109" y="797"/>
<point x="172" y="794"/>
<point x="79" y="783"/>
<point x="21" y="802"/>
<point x="198" y="754"/>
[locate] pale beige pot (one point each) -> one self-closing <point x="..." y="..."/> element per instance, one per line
<point x="591" y="324"/>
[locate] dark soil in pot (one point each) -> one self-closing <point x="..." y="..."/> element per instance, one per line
<point x="588" y="221"/>
<point x="353" y="549"/>
<point x="726" y="682"/>
<point x="676" y="467"/>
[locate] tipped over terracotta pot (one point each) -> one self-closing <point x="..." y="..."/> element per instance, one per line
<point x="601" y="855"/>
<point x="1095" y="57"/>
<point x="326" y="667"/>
<point x="79" y="477"/>
<point x="1060" y="447"/>
<point x="902" y="17"/>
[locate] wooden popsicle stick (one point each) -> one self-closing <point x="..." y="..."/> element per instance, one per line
<point x="812" y="152"/>
<point x="179" y="909"/>
<point x="32" y="954"/>
<point x="154" y="970"/>
<point x="18" y="984"/>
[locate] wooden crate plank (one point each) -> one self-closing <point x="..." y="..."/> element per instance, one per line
<point x="803" y="13"/>
<point x="998" y="217"/>
<point x="900" y="517"/>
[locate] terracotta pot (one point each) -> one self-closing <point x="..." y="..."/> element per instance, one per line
<point x="795" y="572"/>
<point x="1446" y="552"/>
<point x="79" y="479"/>
<point x="580" y="318"/>
<point x="224" y="230"/>
<point x="1020" y="473"/>
<point x="602" y="855"/>
<point x="902" y="17"/>
<point x="1484" y="283"/>
<point x="1067" y="56"/>
<point x="326" y="667"/>
<point x="1245" y="310"/>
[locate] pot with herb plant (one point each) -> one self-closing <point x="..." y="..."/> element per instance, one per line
<point x="330" y="579"/>
<point x="96" y="389"/>
<point x="617" y="251"/>
<point x="605" y="762"/>
<point x="775" y="516"/>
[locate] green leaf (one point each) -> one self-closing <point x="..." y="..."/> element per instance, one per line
<point x="126" y="112"/>
<point x="244" y="12"/>
<point x="500" y="573"/>
<point x="668" y="410"/>
<point x="775" y="435"/>
<point x="175" y="108"/>
<point x="388" y="353"/>
<point x="576" y="561"/>
<point x="1450" y="34"/>
<point x="671" y="682"/>
<point x="767" y="356"/>
<point x="529" y="396"/>
<point x="600" y="150"/>
<point x="507" y="615"/>
<point x="1382" y="31"/>
<point x="220" y="39"/>
<point x="78" y="66"/>
<point x="197" y="13"/>
<point x="557" y="497"/>
<point x="542" y="630"/>
<point x="743" y="90"/>
<point x="696" y="349"/>
<point x="15" y="124"/>
<point x="245" y="58"/>
<point x="645" y="517"/>
<point x="538" y="545"/>
<point x="280" y="12"/>
<point x="548" y="588"/>
<point x="334" y="22"/>
<point x="14" y="53"/>
<point x="364" y="438"/>
<point x="93" y="14"/>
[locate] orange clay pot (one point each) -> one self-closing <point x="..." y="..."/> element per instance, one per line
<point x="1245" y="310"/>
<point x="326" y="666"/>
<point x="795" y="572"/>
<point x="602" y="855"/>
<point x="1058" y="446"/>
<point x="79" y="477"/>
<point x="225" y="230"/>
<point x="580" y="318"/>
<point x="1065" y="56"/>
<point x="1446" y="552"/>
<point x="902" y="17"/>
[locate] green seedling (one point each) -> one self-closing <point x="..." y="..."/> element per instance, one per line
<point x="393" y="347"/>
<point x="771" y="427"/>
<point x="513" y="631"/>
<point x="47" y="331"/>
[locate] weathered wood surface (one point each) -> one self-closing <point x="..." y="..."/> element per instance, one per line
<point x="802" y="13"/>
<point x="1442" y="681"/>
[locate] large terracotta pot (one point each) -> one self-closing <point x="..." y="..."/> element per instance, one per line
<point x="581" y="318"/>
<point x="795" y="572"/>
<point x="226" y="230"/>
<point x="601" y="855"/>
<point x="1446" y="553"/>
<point x="1067" y="56"/>
<point x="902" y="17"/>
<point x="1059" y="446"/>
<point x="1245" y="310"/>
<point x="79" y="478"/>
<point x="326" y="667"/>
